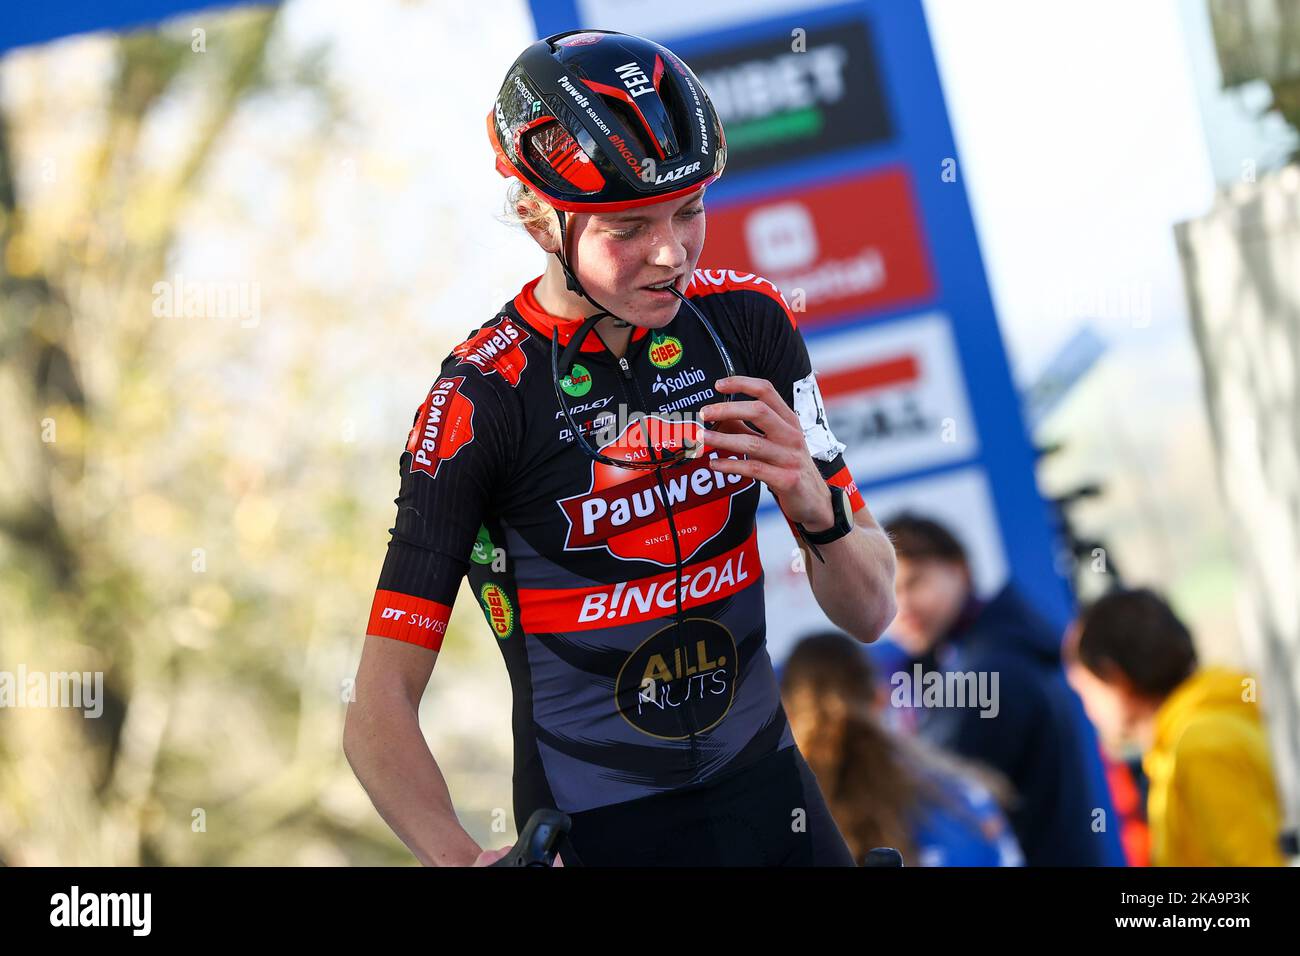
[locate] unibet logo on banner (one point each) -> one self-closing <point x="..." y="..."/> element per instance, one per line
<point x="779" y="105"/>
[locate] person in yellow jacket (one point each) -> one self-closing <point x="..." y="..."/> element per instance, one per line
<point x="1212" y="798"/>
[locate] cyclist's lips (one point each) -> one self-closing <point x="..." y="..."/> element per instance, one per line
<point x="664" y="294"/>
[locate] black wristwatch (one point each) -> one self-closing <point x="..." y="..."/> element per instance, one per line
<point x="842" y="526"/>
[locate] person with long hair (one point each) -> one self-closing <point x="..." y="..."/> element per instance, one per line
<point x="884" y="789"/>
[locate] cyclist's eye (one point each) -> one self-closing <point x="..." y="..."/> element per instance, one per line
<point x="692" y="213"/>
<point x="624" y="233"/>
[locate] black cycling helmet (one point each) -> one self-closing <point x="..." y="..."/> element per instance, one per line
<point x="598" y="121"/>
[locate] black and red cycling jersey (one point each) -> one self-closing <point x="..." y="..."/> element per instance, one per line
<point x="616" y="696"/>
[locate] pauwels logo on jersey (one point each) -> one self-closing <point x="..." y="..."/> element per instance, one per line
<point x="496" y="348"/>
<point x="443" y="426"/>
<point x="624" y="511"/>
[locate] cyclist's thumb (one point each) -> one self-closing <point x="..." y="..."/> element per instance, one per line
<point x="488" y="857"/>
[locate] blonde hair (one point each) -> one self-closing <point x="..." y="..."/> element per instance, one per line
<point x="538" y="212"/>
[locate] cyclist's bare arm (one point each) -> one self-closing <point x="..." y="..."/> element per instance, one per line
<point x="388" y="753"/>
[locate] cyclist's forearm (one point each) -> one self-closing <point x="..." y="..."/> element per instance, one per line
<point x="855" y="585"/>
<point x="388" y="753"/>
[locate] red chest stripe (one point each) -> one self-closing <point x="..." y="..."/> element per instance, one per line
<point x="608" y="605"/>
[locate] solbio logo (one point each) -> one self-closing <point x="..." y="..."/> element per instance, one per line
<point x="499" y="611"/>
<point x="578" y="383"/>
<point x="675" y="383"/>
<point x="665" y="351"/>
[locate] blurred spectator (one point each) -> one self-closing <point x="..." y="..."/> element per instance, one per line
<point x="1212" y="799"/>
<point x="1034" y="732"/>
<point x="885" y="790"/>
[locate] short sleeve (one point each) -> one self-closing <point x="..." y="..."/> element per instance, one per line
<point x="457" y="456"/>
<point x="781" y="357"/>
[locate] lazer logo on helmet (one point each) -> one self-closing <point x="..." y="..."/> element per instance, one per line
<point x="678" y="173"/>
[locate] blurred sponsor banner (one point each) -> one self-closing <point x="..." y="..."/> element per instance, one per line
<point x="828" y="258"/>
<point x="40" y="22"/>
<point x="843" y="187"/>
<point x="961" y="499"/>
<point x="895" y="396"/>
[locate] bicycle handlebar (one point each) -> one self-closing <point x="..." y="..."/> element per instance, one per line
<point x="539" y="840"/>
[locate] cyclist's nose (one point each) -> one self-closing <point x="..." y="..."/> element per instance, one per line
<point x="668" y="250"/>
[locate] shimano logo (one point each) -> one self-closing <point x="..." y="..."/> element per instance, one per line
<point x="675" y="383"/>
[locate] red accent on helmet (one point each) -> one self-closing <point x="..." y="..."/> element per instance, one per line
<point x="631" y="101"/>
<point x="554" y="144"/>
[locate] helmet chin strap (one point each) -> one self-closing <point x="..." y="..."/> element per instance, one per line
<point x="571" y="279"/>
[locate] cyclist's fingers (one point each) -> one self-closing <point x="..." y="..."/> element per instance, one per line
<point x="488" y="857"/>
<point x="763" y="390"/>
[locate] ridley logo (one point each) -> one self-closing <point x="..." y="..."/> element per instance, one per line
<point x="496" y="348"/>
<point x="624" y="511"/>
<point x="443" y="426"/>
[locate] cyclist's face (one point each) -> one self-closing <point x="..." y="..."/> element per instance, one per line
<point x="620" y="254"/>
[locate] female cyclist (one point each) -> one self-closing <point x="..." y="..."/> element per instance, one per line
<point x="592" y="456"/>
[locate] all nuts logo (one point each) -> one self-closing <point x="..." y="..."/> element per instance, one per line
<point x="624" y="510"/>
<point x="665" y="351"/>
<point x="665" y="673"/>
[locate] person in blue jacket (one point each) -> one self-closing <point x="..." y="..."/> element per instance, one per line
<point x="884" y="789"/>
<point x="984" y="680"/>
